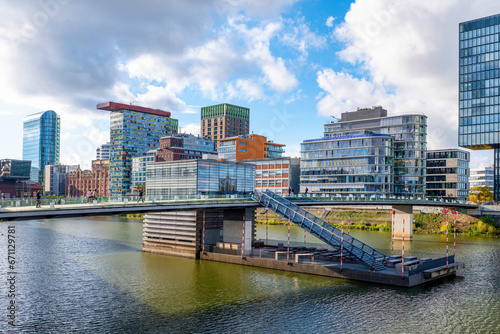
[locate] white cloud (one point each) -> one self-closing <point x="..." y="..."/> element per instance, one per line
<point x="302" y="38"/>
<point x="408" y="54"/>
<point x="248" y="90"/>
<point x="192" y="128"/>
<point x="329" y="21"/>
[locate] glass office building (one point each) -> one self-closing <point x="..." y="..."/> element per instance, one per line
<point x="199" y="177"/>
<point x="134" y="131"/>
<point x="355" y="162"/>
<point x="41" y="142"/>
<point x="479" y="101"/>
<point x="448" y="174"/>
<point x="410" y="143"/>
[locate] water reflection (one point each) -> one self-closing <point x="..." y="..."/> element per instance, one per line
<point x="88" y="275"/>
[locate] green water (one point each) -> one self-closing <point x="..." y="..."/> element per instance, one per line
<point x="89" y="275"/>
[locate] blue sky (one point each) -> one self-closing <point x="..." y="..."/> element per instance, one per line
<point x="293" y="63"/>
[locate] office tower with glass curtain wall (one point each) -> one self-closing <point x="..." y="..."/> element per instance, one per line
<point x="479" y="101"/>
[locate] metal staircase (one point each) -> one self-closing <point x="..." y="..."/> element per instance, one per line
<point x="321" y="229"/>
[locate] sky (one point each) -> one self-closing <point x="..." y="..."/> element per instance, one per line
<point x="294" y="63"/>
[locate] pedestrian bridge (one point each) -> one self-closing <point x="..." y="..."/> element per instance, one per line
<point x="24" y="209"/>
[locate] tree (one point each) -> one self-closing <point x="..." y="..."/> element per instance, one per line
<point x="481" y="194"/>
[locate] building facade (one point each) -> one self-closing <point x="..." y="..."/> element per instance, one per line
<point x="184" y="146"/>
<point x="134" y="131"/>
<point x="482" y="177"/>
<point x="249" y="147"/>
<point x="354" y="162"/>
<point x="199" y="177"/>
<point x="78" y="183"/>
<point x="410" y="143"/>
<point x="139" y="170"/>
<point x="41" y="142"/>
<point x="14" y="179"/>
<point x="279" y="175"/>
<point x="224" y="120"/>
<point x="102" y="152"/>
<point x="479" y="89"/>
<point x="55" y="179"/>
<point x="448" y="174"/>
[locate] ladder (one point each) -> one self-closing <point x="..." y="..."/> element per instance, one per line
<point x="326" y="232"/>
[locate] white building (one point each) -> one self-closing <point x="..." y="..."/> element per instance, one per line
<point x="102" y="152"/>
<point x="482" y="177"/>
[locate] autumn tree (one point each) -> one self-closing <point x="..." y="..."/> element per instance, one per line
<point x="481" y="194"/>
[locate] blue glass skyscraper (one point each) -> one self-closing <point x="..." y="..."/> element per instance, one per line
<point x="41" y="142"/>
<point x="479" y="75"/>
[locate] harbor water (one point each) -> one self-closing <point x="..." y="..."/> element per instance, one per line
<point x="89" y="275"/>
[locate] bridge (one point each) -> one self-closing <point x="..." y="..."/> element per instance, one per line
<point x="223" y="229"/>
<point x="25" y="209"/>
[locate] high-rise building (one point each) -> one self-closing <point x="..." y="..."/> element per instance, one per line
<point x="410" y="143"/>
<point x="224" y="120"/>
<point x="448" y="174"/>
<point x="102" y="152"/>
<point x="482" y="177"/>
<point x="249" y="147"/>
<point x="479" y="88"/>
<point x="41" y="142"/>
<point x="55" y="178"/>
<point x="355" y="162"/>
<point x="134" y="131"/>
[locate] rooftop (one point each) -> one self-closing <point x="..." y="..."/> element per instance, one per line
<point x="113" y="106"/>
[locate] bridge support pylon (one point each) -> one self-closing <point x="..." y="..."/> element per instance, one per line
<point x="403" y="212"/>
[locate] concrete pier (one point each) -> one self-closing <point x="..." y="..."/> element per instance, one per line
<point x="403" y="212"/>
<point x="229" y="231"/>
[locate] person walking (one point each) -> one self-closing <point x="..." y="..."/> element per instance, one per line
<point x="38" y="199"/>
<point x="89" y="196"/>
<point x="307" y="189"/>
<point x="141" y="198"/>
<point x="94" y="194"/>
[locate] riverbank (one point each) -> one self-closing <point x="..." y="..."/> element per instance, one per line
<point x="381" y="220"/>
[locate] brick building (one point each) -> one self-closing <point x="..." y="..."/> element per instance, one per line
<point x="80" y="182"/>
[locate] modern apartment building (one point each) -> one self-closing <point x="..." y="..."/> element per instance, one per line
<point x="41" y="142"/>
<point x="482" y="177"/>
<point x="102" y="152"/>
<point x="410" y="143"/>
<point x="448" y="174"/>
<point x="199" y="177"/>
<point x="279" y="175"/>
<point x="134" y="131"/>
<point x="79" y="182"/>
<point x="249" y="147"/>
<point x="479" y="88"/>
<point x="55" y="178"/>
<point x="352" y="162"/>
<point x="224" y="120"/>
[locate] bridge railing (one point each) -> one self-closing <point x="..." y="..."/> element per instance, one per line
<point x="120" y="200"/>
<point x="61" y="202"/>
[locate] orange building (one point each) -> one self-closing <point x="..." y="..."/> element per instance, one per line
<point x="248" y="148"/>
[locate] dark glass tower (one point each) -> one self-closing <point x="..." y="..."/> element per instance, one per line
<point x="479" y="75"/>
<point x="41" y="142"/>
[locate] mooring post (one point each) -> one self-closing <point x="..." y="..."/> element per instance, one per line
<point x="342" y="244"/>
<point x="403" y="252"/>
